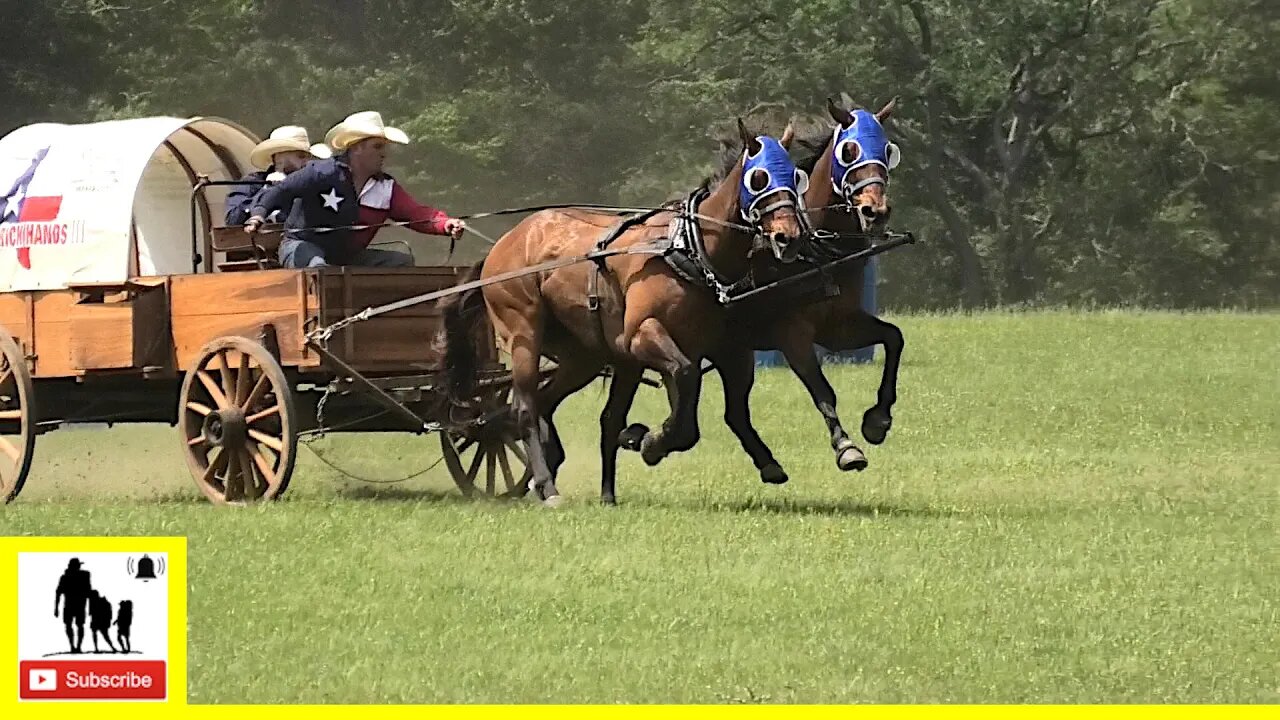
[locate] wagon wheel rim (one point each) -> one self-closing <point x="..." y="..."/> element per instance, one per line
<point x="17" y="436"/>
<point x="237" y="423"/>
<point x="493" y="466"/>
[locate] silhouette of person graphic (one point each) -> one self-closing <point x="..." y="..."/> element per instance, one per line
<point x="100" y="619"/>
<point x="75" y="588"/>
<point x="124" y="620"/>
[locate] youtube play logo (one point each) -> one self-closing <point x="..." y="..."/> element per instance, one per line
<point x="42" y="679"/>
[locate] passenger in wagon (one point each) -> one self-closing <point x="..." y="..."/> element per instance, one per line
<point x="327" y="190"/>
<point x="286" y="150"/>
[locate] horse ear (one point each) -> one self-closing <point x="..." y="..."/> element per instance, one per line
<point x="888" y="109"/>
<point x="788" y="135"/>
<point x="749" y="142"/>
<point x="839" y="114"/>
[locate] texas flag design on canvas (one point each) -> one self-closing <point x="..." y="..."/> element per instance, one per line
<point x="27" y="220"/>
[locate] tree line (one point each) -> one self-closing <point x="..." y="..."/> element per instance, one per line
<point x="1055" y="152"/>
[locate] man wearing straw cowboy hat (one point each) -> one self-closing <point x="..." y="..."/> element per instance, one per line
<point x="286" y="150"/>
<point x="321" y="229"/>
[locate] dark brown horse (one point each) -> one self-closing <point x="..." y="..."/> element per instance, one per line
<point x="643" y="313"/>
<point x="847" y="194"/>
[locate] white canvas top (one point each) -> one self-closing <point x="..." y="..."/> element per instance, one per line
<point x="106" y="201"/>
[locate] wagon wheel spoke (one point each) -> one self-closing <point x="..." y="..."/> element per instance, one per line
<point x="453" y="461"/>
<point x="200" y="408"/>
<point x="263" y="414"/>
<point x="216" y="466"/>
<point x="5" y="376"/>
<point x="224" y="373"/>
<point x="518" y="451"/>
<point x="271" y="442"/>
<point x="235" y="479"/>
<point x="10" y="414"/>
<point x="243" y="377"/>
<point x="252" y="490"/>
<point x="507" y="477"/>
<point x="475" y="467"/>
<point x="259" y="389"/>
<point x="219" y="398"/>
<point x="490" y="469"/>
<point x="265" y="467"/>
<point x="9" y="449"/>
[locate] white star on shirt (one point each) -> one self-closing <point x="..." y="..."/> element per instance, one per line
<point x="14" y="202"/>
<point x="331" y="199"/>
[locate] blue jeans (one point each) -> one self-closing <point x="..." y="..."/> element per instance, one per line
<point x="303" y="254"/>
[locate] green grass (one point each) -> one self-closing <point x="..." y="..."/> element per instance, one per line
<point x="1070" y="508"/>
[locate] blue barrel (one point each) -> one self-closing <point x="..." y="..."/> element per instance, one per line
<point x="774" y="358"/>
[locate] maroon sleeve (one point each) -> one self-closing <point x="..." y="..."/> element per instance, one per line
<point x="425" y="218"/>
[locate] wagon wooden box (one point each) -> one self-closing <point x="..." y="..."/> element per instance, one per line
<point x="218" y="340"/>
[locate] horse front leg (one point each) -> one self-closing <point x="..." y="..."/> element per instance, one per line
<point x="652" y="345"/>
<point x="864" y="330"/>
<point x="797" y="346"/>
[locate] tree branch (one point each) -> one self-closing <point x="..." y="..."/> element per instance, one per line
<point x="989" y="187"/>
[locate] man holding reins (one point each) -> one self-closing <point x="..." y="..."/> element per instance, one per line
<point x="317" y="232"/>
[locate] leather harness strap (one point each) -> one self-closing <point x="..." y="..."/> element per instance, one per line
<point x="598" y="266"/>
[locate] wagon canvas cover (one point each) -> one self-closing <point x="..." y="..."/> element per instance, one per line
<point x="103" y="202"/>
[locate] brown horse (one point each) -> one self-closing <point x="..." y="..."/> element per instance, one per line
<point x="639" y="312"/>
<point x="847" y="194"/>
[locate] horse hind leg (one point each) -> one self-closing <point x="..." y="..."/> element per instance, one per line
<point x="526" y="350"/>
<point x="622" y="392"/>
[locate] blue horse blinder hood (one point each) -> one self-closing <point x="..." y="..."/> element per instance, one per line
<point x="862" y="143"/>
<point x="768" y="171"/>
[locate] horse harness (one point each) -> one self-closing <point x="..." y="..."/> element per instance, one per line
<point x="686" y="255"/>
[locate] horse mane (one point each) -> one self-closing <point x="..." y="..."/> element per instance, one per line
<point x="730" y="150"/>
<point x="813" y="132"/>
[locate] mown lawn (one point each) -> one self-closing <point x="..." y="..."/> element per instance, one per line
<point x="1070" y="508"/>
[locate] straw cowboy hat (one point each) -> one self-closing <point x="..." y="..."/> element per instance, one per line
<point x="284" y="139"/>
<point x="361" y="125"/>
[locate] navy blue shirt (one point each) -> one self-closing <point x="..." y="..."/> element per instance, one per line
<point x="240" y="199"/>
<point x="326" y="197"/>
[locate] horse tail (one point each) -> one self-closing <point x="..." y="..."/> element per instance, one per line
<point x="461" y="360"/>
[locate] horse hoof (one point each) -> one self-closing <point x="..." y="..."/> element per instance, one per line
<point x="553" y="502"/>
<point x="609" y="501"/>
<point x="851" y="458"/>
<point x="773" y="474"/>
<point x="650" y="451"/>
<point x="875" y="426"/>
<point x="632" y="437"/>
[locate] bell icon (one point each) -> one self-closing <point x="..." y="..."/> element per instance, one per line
<point x="146" y="569"/>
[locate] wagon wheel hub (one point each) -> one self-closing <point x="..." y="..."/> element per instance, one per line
<point x="226" y="428"/>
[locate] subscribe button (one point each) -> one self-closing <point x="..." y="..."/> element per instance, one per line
<point x="92" y="680"/>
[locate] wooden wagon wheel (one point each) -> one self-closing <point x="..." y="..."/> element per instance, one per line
<point x="495" y="445"/>
<point x="17" y="431"/>
<point x="236" y="418"/>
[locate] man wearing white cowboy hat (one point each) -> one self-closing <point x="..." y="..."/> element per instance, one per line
<point x="319" y="229"/>
<point x="286" y="150"/>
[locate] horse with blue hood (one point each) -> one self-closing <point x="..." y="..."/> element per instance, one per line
<point x="640" y="308"/>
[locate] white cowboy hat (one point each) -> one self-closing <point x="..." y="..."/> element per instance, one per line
<point x="361" y="125"/>
<point x="284" y="139"/>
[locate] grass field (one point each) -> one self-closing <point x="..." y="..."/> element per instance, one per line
<point x="1070" y="508"/>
